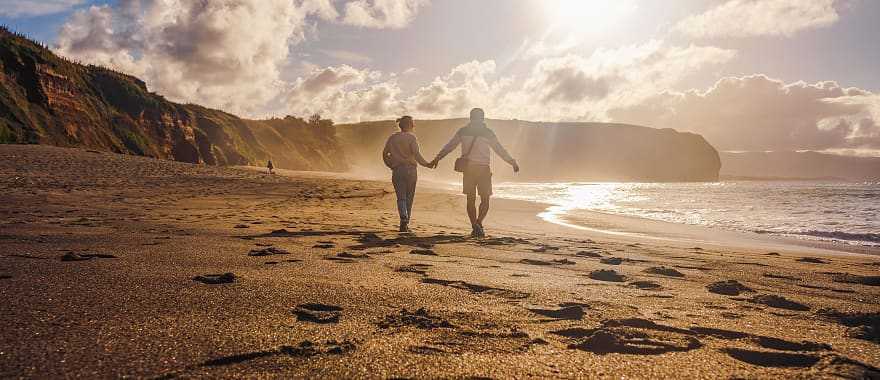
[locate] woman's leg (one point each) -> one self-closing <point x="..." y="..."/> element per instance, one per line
<point x="411" y="190"/>
<point x="398" y="179"/>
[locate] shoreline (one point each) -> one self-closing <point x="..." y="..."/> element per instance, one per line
<point x="607" y="225"/>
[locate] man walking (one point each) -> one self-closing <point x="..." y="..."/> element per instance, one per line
<point x="477" y="143"/>
<point x="401" y="154"/>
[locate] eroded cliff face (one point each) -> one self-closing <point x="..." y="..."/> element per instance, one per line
<point x="45" y="99"/>
<point x="563" y="151"/>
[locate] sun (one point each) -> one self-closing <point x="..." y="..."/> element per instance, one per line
<point x="586" y="16"/>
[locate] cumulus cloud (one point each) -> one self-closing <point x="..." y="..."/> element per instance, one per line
<point x="346" y="94"/>
<point x="455" y="93"/>
<point x="226" y="54"/>
<point x="747" y="18"/>
<point x="382" y="13"/>
<point x="578" y="87"/>
<point x="757" y="113"/>
<point x="27" y="8"/>
<point x="223" y="53"/>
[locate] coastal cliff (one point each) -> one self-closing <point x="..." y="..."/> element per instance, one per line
<point x="46" y="99"/>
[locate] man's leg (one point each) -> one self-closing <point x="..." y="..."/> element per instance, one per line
<point x="484" y="188"/>
<point x="484" y="209"/>
<point x="472" y="209"/>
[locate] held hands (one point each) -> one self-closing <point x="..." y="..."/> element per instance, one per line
<point x="433" y="163"/>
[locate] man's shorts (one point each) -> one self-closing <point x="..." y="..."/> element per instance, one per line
<point x="477" y="178"/>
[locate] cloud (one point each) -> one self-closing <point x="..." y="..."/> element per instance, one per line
<point x="455" y="93"/>
<point x="223" y="53"/>
<point x="758" y="113"/>
<point x="28" y="8"/>
<point x="346" y="56"/>
<point x="748" y="18"/>
<point x="394" y="14"/>
<point x="578" y="87"/>
<point x="226" y="54"/>
<point x="346" y="94"/>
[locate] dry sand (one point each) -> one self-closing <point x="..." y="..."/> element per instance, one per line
<point x="115" y="266"/>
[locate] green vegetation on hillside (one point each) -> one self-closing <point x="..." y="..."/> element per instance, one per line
<point x="47" y="99"/>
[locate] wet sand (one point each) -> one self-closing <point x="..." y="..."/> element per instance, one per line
<point x="116" y="266"/>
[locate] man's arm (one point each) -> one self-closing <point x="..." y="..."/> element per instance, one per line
<point x="414" y="145"/>
<point x="496" y="146"/>
<point x="449" y="147"/>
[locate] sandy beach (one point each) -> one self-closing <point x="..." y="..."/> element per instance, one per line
<point x="122" y="266"/>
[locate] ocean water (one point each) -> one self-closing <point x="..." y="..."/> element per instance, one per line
<point x="845" y="213"/>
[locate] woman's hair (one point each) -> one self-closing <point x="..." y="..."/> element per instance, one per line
<point x="405" y="122"/>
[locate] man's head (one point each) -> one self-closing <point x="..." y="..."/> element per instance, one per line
<point x="406" y="123"/>
<point x="477" y="115"/>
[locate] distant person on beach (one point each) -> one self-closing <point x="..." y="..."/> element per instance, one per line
<point x="477" y="143"/>
<point x="401" y="155"/>
<point x="270" y="167"/>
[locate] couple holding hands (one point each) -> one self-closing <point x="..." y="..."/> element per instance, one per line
<point x="477" y="141"/>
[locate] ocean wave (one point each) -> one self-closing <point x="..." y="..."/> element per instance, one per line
<point x="841" y="213"/>
<point x="840" y="235"/>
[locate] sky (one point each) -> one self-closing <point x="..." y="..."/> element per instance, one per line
<point x="748" y="75"/>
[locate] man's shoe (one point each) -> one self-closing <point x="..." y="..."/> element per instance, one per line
<point x="478" y="232"/>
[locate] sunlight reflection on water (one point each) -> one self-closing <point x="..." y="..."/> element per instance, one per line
<point x="843" y="212"/>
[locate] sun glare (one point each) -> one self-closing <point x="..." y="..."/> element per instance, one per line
<point x="586" y="16"/>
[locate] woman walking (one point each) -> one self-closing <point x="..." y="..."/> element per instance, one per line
<point x="402" y="156"/>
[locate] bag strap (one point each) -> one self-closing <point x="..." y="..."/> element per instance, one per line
<point x="468" y="153"/>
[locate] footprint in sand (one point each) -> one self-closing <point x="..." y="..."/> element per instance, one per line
<point x="317" y="313"/>
<point x="588" y="254"/>
<point x="813" y="260"/>
<point x="847" y="278"/>
<point x="630" y="336"/>
<point x="728" y="288"/>
<point x="771" y="359"/>
<point x="763" y="341"/>
<point x="215" y="279"/>
<point x="421" y="269"/>
<point x="423" y="252"/>
<point x="544" y="248"/>
<point x="607" y="275"/>
<point x="279" y="262"/>
<point x="349" y="255"/>
<point x="611" y="260"/>
<point x="303" y="349"/>
<point x="324" y="246"/>
<point x="778" y="302"/>
<point x="645" y="285"/>
<point x="71" y="256"/>
<point x="420" y="318"/>
<point x="268" y="251"/>
<point x="568" y="311"/>
<point x="664" y="271"/>
<point x="780" y="276"/>
<point x="477" y="289"/>
<point x="544" y="263"/>
<point x="864" y="326"/>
